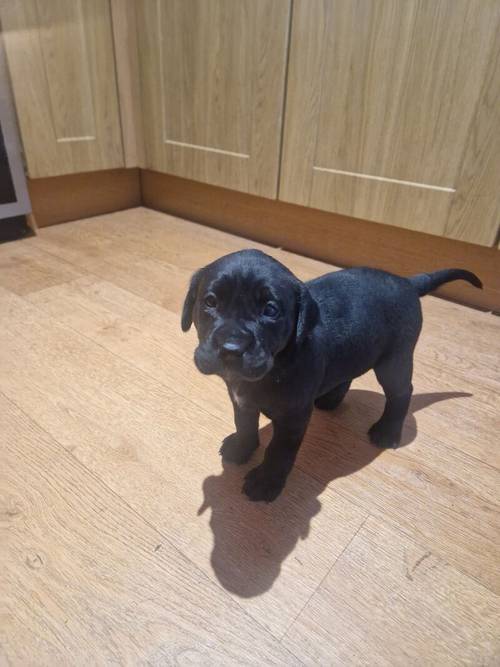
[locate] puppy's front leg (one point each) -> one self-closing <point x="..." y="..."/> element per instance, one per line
<point x="267" y="480"/>
<point x="239" y="447"/>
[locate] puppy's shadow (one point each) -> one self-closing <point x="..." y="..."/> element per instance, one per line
<point x="252" y="540"/>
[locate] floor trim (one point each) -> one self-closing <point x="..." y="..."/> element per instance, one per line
<point x="74" y="196"/>
<point x="330" y="237"/>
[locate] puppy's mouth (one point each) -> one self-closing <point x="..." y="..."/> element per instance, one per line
<point x="248" y="373"/>
<point x="248" y="367"/>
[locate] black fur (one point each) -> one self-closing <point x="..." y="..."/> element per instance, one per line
<point x="284" y="346"/>
<point x="427" y="282"/>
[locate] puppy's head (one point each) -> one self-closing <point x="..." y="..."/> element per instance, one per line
<point x="246" y="307"/>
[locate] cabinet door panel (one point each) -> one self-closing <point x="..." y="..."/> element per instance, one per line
<point x="382" y="98"/>
<point x="212" y="74"/>
<point x="60" y="55"/>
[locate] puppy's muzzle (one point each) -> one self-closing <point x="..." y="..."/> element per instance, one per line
<point x="233" y="347"/>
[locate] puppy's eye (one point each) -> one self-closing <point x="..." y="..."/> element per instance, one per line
<point x="270" y="309"/>
<point x="210" y="301"/>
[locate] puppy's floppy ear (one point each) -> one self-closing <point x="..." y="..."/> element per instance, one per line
<point x="189" y="301"/>
<point x="308" y="313"/>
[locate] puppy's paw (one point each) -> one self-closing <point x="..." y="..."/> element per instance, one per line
<point x="263" y="484"/>
<point x="386" y="436"/>
<point x="235" y="450"/>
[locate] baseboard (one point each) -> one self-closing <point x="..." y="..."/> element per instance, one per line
<point x="73" y="196"/>
<point x="333" y="238"/>
<point x="330" y="237"/>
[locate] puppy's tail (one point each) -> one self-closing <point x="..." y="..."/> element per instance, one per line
<point x="427" y="282"/>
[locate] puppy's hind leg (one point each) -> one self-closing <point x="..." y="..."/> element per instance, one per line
<point x="332" y="398"/>
<point x="394" y="374"/>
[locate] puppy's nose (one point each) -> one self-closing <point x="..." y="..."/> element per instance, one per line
<point x="234" y="347"/>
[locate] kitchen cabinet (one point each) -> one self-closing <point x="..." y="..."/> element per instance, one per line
<point x="384" y="110"/>
<point x="393" y="113"/>
<point x="212" y="80"/>
<point x="62" y="67"/>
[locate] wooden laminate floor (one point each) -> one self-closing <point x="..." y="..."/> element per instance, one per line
<point x="123" y="540"/>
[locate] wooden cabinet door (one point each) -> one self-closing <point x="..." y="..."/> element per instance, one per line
<point x="61" y="61"/>
<point x="212" y="77"/>
<point x="393" y="113"/>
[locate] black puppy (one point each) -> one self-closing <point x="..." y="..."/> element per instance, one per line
<point x="284" y="346"/>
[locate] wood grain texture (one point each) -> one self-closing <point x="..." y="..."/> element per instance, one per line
<point x="62" y="68"/>
<point x="62" y="198"/>
<point x="114" y="320"/>
<point x="127" y="459"/>
<point x="382" y="601"/>
<point x="399" y="86"/>
<point x="382" y="100"/>
<point x="213" y="76"/>
<point x="423" y="487"/>
<point x="86" y="579"/>
<point x="340" y="240"/>
<point x="420" y="209"/>
<point x="25" y="269"/>
<point x="110" y="437"/>
<point x="126" y="49"/>
<point x="474" y="214"/>
<point x="64" y="54"/>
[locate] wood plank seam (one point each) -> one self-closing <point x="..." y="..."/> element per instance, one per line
<point x="434" y="500"/>
<point x="394" y="524"/>
<point x="287" y="630"/>
<point x="277" y="184"/>
<point x="162" y="538"/>
<point x="391" y="521"/>
<point x="128" y="362"/>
